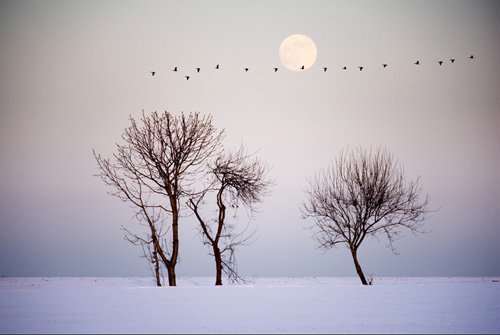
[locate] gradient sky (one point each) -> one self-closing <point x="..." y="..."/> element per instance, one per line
<point x="71" y="72"/>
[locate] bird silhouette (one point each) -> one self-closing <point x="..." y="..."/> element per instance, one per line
<point x="175" y="69"/>
<point x="440" y="62"/>
<point x="187" y="77"/>
<point x="302" y="67"/>
<point x="471" y="57"/>
<point x="153" y="73"/>
<point x="275" y="69"/>
<point x="344" y="68"/>
<point x="198" y="69"/>
<point x="417" y="62"/>
<point x="384" y="65"/>
<point x="360" y="68"/>
<point x="246" y="69"/>
<point x="452" y="60"/>
<point x="217" y="67"/>
<point x="324" y="69"/>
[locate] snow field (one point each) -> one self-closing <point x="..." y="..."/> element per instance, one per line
<point x="265" y="305"/>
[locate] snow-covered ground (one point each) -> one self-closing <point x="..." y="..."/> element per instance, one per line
<point x="265" y="305"/>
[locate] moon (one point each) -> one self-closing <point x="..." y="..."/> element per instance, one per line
<point x="296" y="51"/>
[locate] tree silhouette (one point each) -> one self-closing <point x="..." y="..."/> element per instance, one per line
<point x="234" y="179"/>
<point x="363" y="193"/>
<point x="157" y="165"/>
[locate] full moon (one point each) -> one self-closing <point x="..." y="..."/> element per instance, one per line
<point x="297" y="51"/>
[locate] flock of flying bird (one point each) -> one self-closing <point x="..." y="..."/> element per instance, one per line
<point x="246" y="69"/>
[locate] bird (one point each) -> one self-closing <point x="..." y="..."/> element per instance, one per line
<point x="471" y="57"/>
<point x="417" y="62"/>
<point x="217" y="67"/>
<point x="153" y="73"/>
<point x="187" y="77"/>
<point x="246" y="69"/>
<point x="384" y="65"/>
<point x="440" y="62"/>
<point x="344" y="68"/>
<point x="452" y="60"/>
<point x="360" y="68"/>
<point x="198" y="69"/>
<point x="175" y="69"/>
<point x="324" y="69"/>
<point x="275" y="69"/>
<point x="302" y="67"/>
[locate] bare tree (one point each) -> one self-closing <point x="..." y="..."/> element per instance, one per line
<point x="149" y="252"/>
<point x="155" y="167"/>
<point x="364" y="193"/>
<point x="235" y="179"/>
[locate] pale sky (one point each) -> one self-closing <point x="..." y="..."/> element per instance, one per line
<point x="71" y="72"/>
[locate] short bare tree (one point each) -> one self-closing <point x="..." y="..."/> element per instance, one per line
<point x="149" y="249"/>
<point x="234" y="179"/>
<point x="156" y="166"/>
<point x="363" y="193"/>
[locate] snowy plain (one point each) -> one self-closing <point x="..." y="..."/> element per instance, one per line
<point x="264" y="305"/>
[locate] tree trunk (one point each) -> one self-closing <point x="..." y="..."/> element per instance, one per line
<point x="169" y="264"/>
<point x="171" y="275"/>
<point x="175" y="242"/>
<point x="175" y="250"/>
<point x="157" y="267"/>
<point x="218" y="265"/>
<point x="358" y="267"/>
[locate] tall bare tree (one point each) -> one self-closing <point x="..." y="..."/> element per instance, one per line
<point x="157" y="165"/>
<point x="235" y="179"/>
<point x="363" y="193"/>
